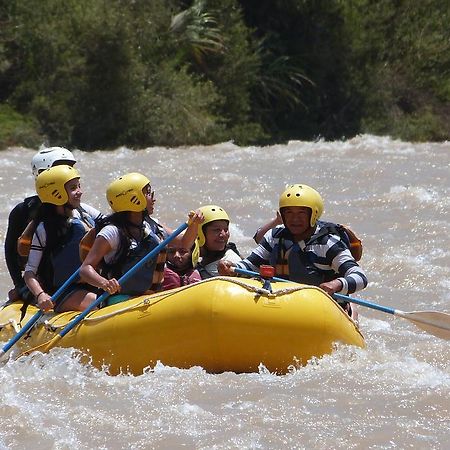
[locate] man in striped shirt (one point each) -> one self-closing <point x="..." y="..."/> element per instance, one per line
<point x="304" y="249"/>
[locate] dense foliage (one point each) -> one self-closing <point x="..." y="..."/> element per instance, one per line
<point x="103" y="73"/>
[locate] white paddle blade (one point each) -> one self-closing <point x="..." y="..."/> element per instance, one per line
<point x="434" y="322"/>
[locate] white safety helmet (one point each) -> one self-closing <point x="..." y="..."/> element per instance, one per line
<point x="47" y="157"/>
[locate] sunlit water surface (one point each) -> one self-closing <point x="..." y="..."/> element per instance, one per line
<point x="393" y="394"/>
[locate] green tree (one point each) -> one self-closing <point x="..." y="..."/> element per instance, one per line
<point x="85" y="68"/>
<point x="217" y="46"/>
<point x="310" y="52"/>
<point x="171" y="106"/>
<point x="402" y="51"/>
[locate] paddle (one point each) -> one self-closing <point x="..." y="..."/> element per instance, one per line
<point x="433" y="322"/>
<point x="36" y="317"/>
<point x="46" y="346"/>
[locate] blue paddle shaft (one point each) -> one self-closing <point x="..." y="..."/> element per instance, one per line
<point x="358" y="301"/>
<point x="123" y="278"/>
<point x="362" y="302"/>
<point x="36" y="317"/>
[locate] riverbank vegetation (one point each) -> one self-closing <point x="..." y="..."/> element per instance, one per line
<point x="95" y="74"/>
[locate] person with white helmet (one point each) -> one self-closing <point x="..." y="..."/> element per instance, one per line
<point x="54" y="253"/>
<point x="21" y="215"/>
<point x="49" y="157"/>
<point x="125" y="237"/>
<point x="303" y="249"/>
<point x="212" y="243"/>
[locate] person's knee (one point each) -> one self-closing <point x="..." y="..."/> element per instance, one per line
<point x="88" y="299"/>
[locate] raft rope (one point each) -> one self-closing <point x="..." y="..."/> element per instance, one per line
<point x="156" y="297"/>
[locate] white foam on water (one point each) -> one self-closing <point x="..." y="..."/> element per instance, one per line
<point x="59" y="401"/>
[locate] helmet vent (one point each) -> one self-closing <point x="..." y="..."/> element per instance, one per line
<point x="135" y="200"/>
<point x="56" y="194"/>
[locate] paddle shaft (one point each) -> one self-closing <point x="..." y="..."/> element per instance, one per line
<point x="358" y="301"/>
<point x="122" y="279"/>
<point x="36" y="317"/>
<point x="362" y="302"/>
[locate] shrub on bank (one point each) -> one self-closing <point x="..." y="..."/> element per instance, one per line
<point x="17" y="129"/>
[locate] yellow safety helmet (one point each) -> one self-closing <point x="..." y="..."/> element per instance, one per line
<point x="125" y="193"/>
<point x="50" y="184"/>
<point x="303" y="195"/>
<point x="210" y="213"/>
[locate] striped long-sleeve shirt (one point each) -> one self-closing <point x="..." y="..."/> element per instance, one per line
<point x="329" y="254"/>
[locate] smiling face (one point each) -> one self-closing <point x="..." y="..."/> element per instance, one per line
<point x="297" y="220"/>
<point x="216" y="235"/>
<point x="74" y="193"/>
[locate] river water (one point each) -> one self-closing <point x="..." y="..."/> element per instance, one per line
<point x="393" y="394"/>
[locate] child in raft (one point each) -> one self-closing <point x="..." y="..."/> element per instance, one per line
<point x="179" y="270"/>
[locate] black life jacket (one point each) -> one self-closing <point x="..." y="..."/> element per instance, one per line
<point x="295" y="264"/>
<point x="148" y="277"/>
<point x="65" y="258"/>
<point x="60" y="261"/>
<point x="347" y="235"/>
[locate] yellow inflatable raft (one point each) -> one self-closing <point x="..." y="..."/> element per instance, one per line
<point x="221" y="324"/>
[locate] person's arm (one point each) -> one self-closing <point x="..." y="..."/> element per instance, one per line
<point x="43" y="299"/>
<point x="195" y="218"/>
<point x="261" y="231"/>
<point x="333" y="286"/>
<point x="17" y="221"/>
<point x="88" y="270"/>
<point x="352" y="277"/>
<point x="194" y="276"/>
<point x="187" y="238"/>
<point x="260" y="255"/>
<point x="171" y="279"/>
<point x="38" y="243"/>
<point x="226" y="268"/>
